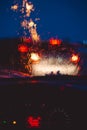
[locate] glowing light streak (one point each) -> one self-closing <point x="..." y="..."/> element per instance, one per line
<point x="24" y="24"/>
<point x="29" y="8"/>
<point x="33" y="31"/>
<point x="26" y="9"/>
<point x="31" y="26"/>
<point x="14" y="7"/>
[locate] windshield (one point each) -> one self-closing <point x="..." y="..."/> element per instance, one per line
<point x="39" y="51"/>
<point x="46" y="59"/>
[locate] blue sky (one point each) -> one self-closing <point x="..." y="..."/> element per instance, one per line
<point x="58" y="18"/>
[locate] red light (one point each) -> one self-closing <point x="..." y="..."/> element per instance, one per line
<point x="75" y="58"/>
<point x="27" y="40"/>
<point x="22" y="48"/>
<point x="34" y="122"/>
<point x="55" y="41"/>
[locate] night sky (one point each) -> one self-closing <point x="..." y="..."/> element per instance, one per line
<point x="58" y="18"/>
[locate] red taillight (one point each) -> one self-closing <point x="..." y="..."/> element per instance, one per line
<point x="75" y="58"/>
<point x="22" y="48"/>
<point x="55" y="41"/>
<point x="34" y="122"/>
<point x="27" y="40"/>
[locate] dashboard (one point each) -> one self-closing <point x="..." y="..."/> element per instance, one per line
<point x="49" y="102"/>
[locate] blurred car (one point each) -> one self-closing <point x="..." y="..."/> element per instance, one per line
<point x="50" y="56"/>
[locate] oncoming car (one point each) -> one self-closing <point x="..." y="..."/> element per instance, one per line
<point x="46" y="58"/>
